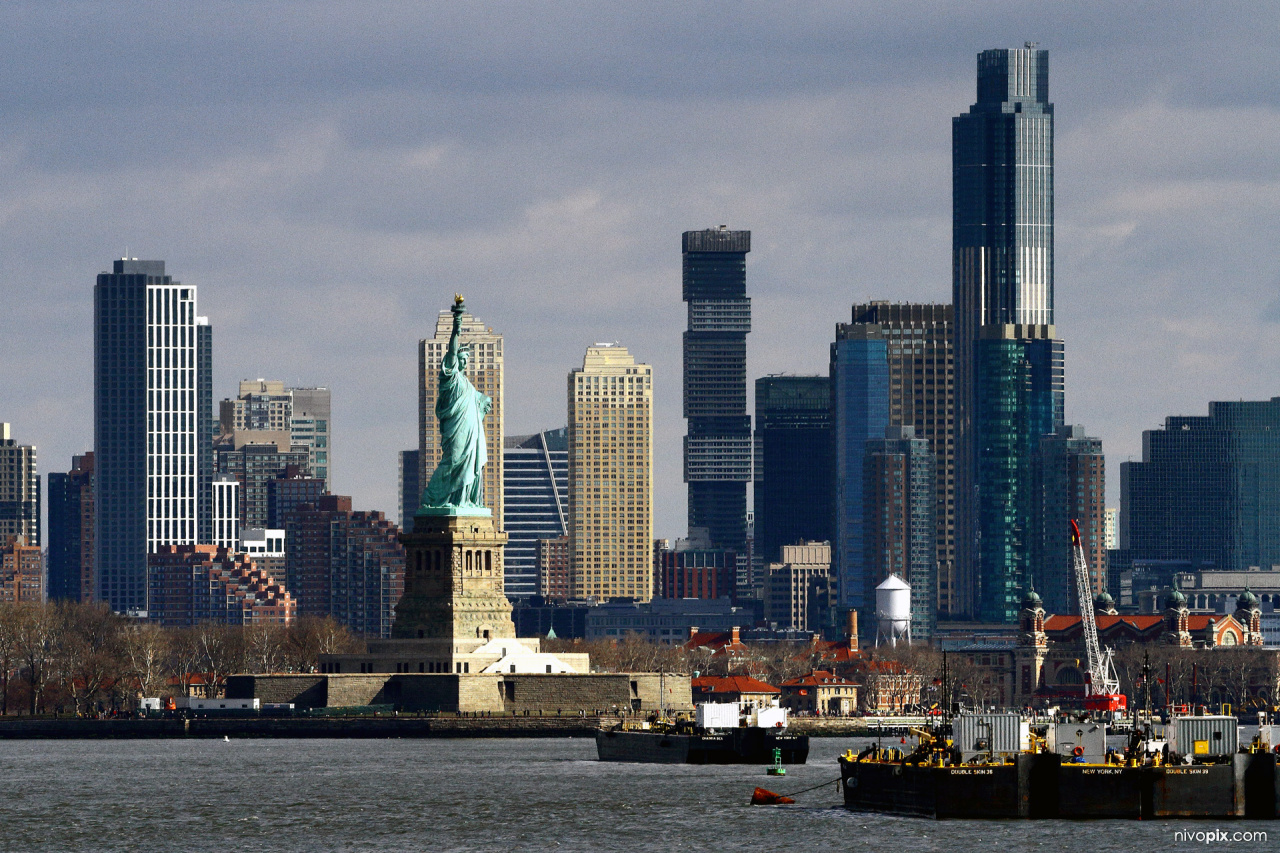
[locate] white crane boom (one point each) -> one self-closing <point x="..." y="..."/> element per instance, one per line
<point x="1102" y="672"/>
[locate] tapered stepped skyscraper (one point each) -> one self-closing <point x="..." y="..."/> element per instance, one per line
<point x="717" y="449"/>
<point x="1002" y="254"/>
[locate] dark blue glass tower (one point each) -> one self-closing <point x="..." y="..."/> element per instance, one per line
<point x="1207" y="491"/>
<point x="1002" y="255"/>
<point x="860" y="400"/>
<point x="794" y="488"/>
<point x="900" y="488"/>
<point x="717" y="448"/>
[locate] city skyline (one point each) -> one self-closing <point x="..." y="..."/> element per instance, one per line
<point x="362" y="229"/>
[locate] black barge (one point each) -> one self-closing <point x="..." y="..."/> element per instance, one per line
<point x="744" y="745"/>
<point x="1044" y="785"/>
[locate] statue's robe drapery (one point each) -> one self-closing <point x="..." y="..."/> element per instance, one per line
<point x="457" y="480"/>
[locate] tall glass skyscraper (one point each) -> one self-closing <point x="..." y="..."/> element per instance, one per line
<point x="1070" y="474"/>
<point x="1002" y="252"/>
<point x="535" y="482"/>
<point x="151" y="366"/>
<point x="860" y="399"/>
<point x="794" y="489"/>
<point x="900" y="496"/>
<point x="1019" y="400"/>
<point x="717" y="449"/>
<point x="1207" y="491"/>
<point x="918" y="342"/>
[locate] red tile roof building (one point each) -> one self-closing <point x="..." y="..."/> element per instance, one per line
<point x="744" y="689"/>
<point x="717" y="643"/>
<point x="820" y="692"/>
<point x="888" y="686"/>
<point x="1047" y="661"/>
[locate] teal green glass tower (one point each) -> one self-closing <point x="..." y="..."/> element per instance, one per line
<point x="1019" y="400"/>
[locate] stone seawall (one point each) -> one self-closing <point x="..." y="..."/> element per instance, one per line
<point x="301" y="727"/>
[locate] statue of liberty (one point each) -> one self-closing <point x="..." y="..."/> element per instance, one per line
<point x="457" y="482"/>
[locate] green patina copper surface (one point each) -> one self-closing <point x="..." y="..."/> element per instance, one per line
<point x="456" y="486"/>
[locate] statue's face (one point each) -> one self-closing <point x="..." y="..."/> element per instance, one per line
<point x="463" y="358"/>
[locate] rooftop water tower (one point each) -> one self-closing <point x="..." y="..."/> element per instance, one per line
<point x="893" y="611"/>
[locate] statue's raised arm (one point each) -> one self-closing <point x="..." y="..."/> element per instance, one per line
<point x="457" y="484"/>
<point x="451" y="353"/>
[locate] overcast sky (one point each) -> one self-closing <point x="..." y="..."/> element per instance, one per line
<point x="329" y="174"/>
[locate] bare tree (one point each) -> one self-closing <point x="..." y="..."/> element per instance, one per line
<point x="88" y="651"/>
<point x="36" y="636"/>
<point x="967" y="679"/>
<point x="185" y="658"/>
<point x="145" y="649"/>
<point x="8" y="649"/>
<point x="221" y="648"/>
<point x="310" y="637"/>
<point x="264" y="647"/>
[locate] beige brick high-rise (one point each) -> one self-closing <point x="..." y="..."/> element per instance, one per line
<point x="611" y="475"/>
<point x="485" y="373"/>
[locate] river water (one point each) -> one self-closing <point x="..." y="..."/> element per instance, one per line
<point x="447" y="795"/>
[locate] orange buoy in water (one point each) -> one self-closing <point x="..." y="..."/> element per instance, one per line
<point x="761" y="797"/>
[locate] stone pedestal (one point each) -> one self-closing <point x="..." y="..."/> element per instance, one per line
<point x="453" y="581"/>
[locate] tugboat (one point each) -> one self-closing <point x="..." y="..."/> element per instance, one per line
<point x="720" y="733"/>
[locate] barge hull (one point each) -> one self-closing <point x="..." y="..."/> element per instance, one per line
<point x="736" y="746"/>
<point x="1042" y="786"/>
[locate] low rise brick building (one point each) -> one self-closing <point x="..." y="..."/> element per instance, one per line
<point x="344" y="563"/>
<point x="21" y="571"/>
<point x="553" y="569"/>
<point x="203" y="583"/>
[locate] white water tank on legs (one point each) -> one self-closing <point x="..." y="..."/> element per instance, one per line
<point x="893" y="611"/>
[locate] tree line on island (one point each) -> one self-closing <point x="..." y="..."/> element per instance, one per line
<point x="70" y="658"/>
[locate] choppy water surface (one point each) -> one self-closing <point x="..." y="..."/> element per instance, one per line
<point x="315" y="795"/>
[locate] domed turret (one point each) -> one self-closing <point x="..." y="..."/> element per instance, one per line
<point x="1031" y="621"/>
<point x="1249" y="615"/>
<point x="1031" y="600"/>
<point x="1175" y="600"/>
<point x="1104" y="605"/>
